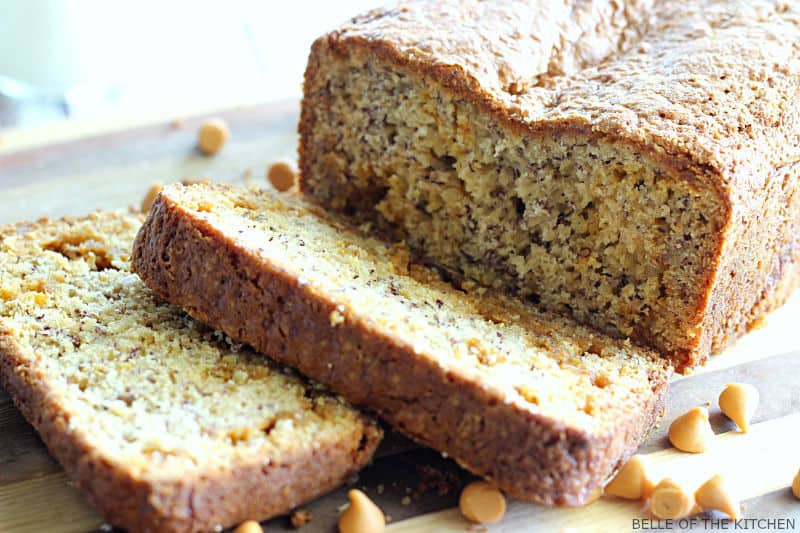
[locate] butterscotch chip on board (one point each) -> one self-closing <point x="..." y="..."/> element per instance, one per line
<point x="691" y="432"/>
<point x="251" y="526"/>
<point x="362" y="516"/>
<point x="482" y="503"/>
<point x="670" y="500"/>
<point x="739" y="401"/>
<point x="212" y="136"/>
<point x="151" y="196"/>
<point x="716" y="494"/>
<point x="632" y="482"/>
<point x="796" y="485"/>
<point x="282" y="175"/>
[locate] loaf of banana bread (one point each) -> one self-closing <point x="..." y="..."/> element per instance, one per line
<point x="633" y="164"/>
<point x="162" y="423"/>
<point x="543" y="407"/>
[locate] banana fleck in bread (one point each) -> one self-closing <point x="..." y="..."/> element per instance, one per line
<point x="162" y="423"/>
<point x="543" y="407"/>
<point x="633" y="164"/>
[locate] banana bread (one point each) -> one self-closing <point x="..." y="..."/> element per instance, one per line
<point x="162" y="423"/>
<point x="632" y="164"/>
<point x="541" y="406"/>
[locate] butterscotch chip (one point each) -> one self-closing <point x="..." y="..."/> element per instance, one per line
<point x="251" y="526"/>
<point x="212" y="136"/>
<point x="691" y="432"/>
<point x="715" y="494"/>
<point x="362" y="516"/>
<point x="482" y="503"/>
<point x="151" y="196"/>
<point x="282" y="175"/>
<point x="796" y="485"/>
<point x="670" y="500"/>
<point x="632" y="482"/>
<point x="739" y="401"/>
<point x="299" y="518"/>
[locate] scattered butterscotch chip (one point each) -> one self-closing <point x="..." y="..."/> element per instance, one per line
<point x="251" y="526"/>
<point x="482" y="503"/>
<point x="151" y="196"/>
<point x="299" y="518"/>
<point x="716" y="494"/>
<point x="796" y="485"/>
<point x="282" y="175"/>
<point x="212" y="136"/>
<point x="691" y="432"/>
<point x="362" y="516"/>
<point x="632" y="482"/>
<point x="670" y="500"/>
<point x="739" y="401"/>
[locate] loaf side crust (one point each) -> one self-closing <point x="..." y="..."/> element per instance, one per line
<point x="191" y="263"/>
<point x="202" y="500"/>
<point x="693" y="139"/>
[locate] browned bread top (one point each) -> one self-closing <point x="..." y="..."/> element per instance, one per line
<point x="712" y="86"/>
<point x="163" y="423"/>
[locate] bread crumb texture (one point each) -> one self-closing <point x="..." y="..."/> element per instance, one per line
<point x="616" y="161"/>
<point x="144" y="386"/>
<point x="537" y="361"/>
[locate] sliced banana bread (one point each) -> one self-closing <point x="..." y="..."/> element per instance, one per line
<point x="543" y="407"/>
<point x="633" y="164"/>
<point x="162" y="423"/>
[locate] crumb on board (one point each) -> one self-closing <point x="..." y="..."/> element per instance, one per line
<point x="300" y="517"/>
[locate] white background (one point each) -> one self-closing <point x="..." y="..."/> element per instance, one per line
<point x="112" y="56"/>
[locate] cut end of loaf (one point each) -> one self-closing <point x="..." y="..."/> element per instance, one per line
<point x="171" y="425"/>
<point x="576" y="222"/>
<point x="533" y="401"/>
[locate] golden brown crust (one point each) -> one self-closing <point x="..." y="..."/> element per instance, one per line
<point x="667" y="82"/>
<point x="201" y="500"/>
<point x="190" y="262"/>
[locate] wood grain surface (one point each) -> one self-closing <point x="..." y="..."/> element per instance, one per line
<point x="78" y="167"/>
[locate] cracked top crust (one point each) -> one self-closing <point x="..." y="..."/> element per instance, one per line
<point x="710" y="87"/>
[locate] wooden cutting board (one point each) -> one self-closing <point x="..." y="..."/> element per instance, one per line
<point x="77" y="167"/>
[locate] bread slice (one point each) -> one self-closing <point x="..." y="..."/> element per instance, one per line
<point x="544" y="408"/>
<point x="617" y="161"/>
<point x="162" y="423"/>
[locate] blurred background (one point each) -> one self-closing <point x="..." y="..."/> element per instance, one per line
<point x="96" y="58"/>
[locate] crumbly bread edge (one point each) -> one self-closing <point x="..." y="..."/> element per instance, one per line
<point x="201" y="502"/>
<point x="537" y="458"/>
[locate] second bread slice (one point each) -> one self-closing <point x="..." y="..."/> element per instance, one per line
<point x="543" y="407"/>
